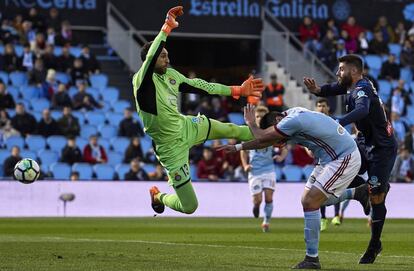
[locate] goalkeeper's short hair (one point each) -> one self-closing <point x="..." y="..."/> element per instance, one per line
<point x="144" y="50"/>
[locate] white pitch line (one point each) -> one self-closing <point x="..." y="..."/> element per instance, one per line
<point x="212" y="246"/>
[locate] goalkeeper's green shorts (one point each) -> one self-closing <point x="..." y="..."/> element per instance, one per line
<point x="174" y="155"/>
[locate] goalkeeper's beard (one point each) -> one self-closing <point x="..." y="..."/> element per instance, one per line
<point x="160" y="70"/>
<point x="345" y="81"/>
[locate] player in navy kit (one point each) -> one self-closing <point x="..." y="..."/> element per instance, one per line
<point x="365" y="109"/>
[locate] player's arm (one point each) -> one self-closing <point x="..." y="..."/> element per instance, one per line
<point x="250" y="87"/>
<point x="361" y="110"/>
<point x="325" y="90"/>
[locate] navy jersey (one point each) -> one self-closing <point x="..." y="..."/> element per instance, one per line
<point x="365" y="109"/>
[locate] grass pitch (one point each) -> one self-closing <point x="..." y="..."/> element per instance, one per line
<point x="191" y="244"/>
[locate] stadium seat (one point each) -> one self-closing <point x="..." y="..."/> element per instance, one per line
<point x="279" y="173"/>
<point x="121" y="170"/>
<point x="106" y="107"/>
<point x="114" y="118"/>
<point x="105" y="143"/>
<point x="95" y="118"/>
<point x="81" y="143"/>
<point x="15" y="141"/>
<point x="148" y="168"/>
<point x="110" y="94"/>
<point x="208" y="143"/>
<point x="1" y="172"/>
<point x="28" y="154"/>
<point x="4" y="77"/>
<point x="307" y="170"/>
<point x="88" y="130"/>
<point x="236" y="118"/>
<point x="57" y="51"/>
<point x="104" y="172"/>
<point x="120" y="105"/>
<point x="47" y="157"/>
<point x="39" y="104"/>
<point x="60" y="171"/>
<point x="395" y="49"/>
<point x="30" y="92"/>
<point x="4" y="154"/>
<point x="292" y="173"/>
<point x="94" y="93"/>
<point x="99" y="81"/>
<point x="114" y="158"/>
<point x="18" y="50"/>
<point x="18" y="79"/>
<point x="193" y="172"/>
<point x="75" y="51"/>
<point x="374" y="62"/>
<point x="146" y="144"/>
<point x="37" y="115"/>
<point x="107" y="131"/>
<point x="406" y="75"/>
<point x="84" y="169"/>
<point x="1" y="49"/>
<point x="410" y="114"/>
<point x="14" y="91"/>
<point x="385" y="89"/>
<point x="72" y="91"/>
<point x="56" y="143"/>
<point x="120" y="144"/>
<point x="62" y="78"/>
<point x="35" y="142"/>
<point x="11" y="112"/>
<point x="56" y="114"/>
<point x="80" y="116"/>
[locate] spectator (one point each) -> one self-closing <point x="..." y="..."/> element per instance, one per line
<point x="340" y="48"/>
<point x="399" y="127"/>
<point x="331" y="26"/>
<point x="68" y="124"/>
<point x="28" y="58"/>
<point x="309" y="34"/>
<point x="130" y="127"/>
<point x="50" y="36"/>
<point x="231" y="166"/>
<point x="363" y="44"/>
<point x="71" y="153"/>
<point x="401" y="94"/>
<point x="6" y="99"/>
<point x="6" y="129"/>
<point x="386" y="30"/>
<point x="134" y="150"/>
<point x="403" y="171"/>
<point x="89" y="61"/>
<point x="397" y="102"/>
<point x="208" y="167"/>
<point x="136" y="173"/>
<point x="366" y="74"/>
<point x="301" y="156"/>
<point x="204" y="107"/>
<point x="23" y="122"/>
<point x="18" y="23"/>
<point x="400" y="33"/>
<point x="11" y="61"/>
<point x="83" y="100"/>
<point x="328" y="49"/>
<point x="47" y="126"/>
<point x="74" y="176"/>
<point x="407" y="56"/>
<point x="27" y="35"/>
<point x="8" y="33"/>
<point x="352" y="28"/>
<point x="273" y="94"/>
<point x="409" y="140"/>
<point x="159" y="174"/>
<point x="78" y="72"/>
<point x="390" y="70"/>
<point x="50" y="85"/>
<point x="53" y="20"/>
<point x="217" y="111"/>
<point x="61" y="98"/>
<point x="65" y="60"/>
<point x="65" y="35"/>
<point x="378" y="46"/>
<point x="36" y="19"/>
<point x="38" y="75"/>
<point x="10" y="162"/>
<point x="39" y="45"/>
<point x="93" y="153"/>
<point x="351" y="45"/>
<point x="50" y="61"/>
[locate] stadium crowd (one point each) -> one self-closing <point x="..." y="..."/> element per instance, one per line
<point x="56" y="107"/>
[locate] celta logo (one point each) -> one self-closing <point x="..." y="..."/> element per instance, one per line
<point x="46" y="4"/>
<point x="298" y="9"/>
<point x="235" y="8"/>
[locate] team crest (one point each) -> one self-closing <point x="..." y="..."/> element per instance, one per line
<point x="172" y="81"/>
<point x="195" y="120"/>
<point x="341" y="130"/>
<point x="361" y="94"/>
<point x="177" y="177"/>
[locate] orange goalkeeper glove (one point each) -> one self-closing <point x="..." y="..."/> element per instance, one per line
<point x="170" y="22"/>
<point x="250" y="87"/>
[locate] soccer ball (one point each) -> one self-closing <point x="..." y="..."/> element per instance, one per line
<point x="26" y="170"/>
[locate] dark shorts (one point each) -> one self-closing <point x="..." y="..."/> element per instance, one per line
<point x="380" y="162"/>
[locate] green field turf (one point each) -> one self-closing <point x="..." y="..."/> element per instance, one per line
<point x="191" y="244"/>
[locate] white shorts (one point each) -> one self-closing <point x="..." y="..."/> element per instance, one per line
<point x="333" y="178"/>
<point x="260" y="182"/>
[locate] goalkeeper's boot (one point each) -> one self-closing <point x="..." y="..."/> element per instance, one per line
<point x="336" y="221"/>
<point x="156" y="204"/>
<point x="324" y="224"/>
<point x="256" y="211"/>
<point x="371" y="254"/>
<point x="266" y="227"/>
<point x="308" y="263"/>
<point x="362" y="195"/>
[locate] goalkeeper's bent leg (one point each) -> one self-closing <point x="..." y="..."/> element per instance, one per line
<point x="220" y="130"/>
<point x="184" y="201"/>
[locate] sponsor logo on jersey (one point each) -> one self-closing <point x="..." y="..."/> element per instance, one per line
<point x="196" y="120"/>
<point x="172" y="81"/>
<point x="361" y="94"/>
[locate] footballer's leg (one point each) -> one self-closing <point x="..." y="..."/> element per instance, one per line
<point x="257" y="200"/>
<point x="221" y="130"/>
<point x="268" y="209"/>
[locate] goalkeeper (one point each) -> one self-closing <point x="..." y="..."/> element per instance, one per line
<point x="156" y="89"/>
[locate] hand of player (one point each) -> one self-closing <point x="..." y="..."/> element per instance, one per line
<point x="250" y="87"/>
<point x="227" y="148"/>
<point x="170" y="22"/>
<point x="310" y="83"/>
<point x="249" y="114"/>
<point x="247" y="168"/>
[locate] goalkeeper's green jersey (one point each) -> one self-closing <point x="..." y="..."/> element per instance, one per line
<point x="156" y="95"/>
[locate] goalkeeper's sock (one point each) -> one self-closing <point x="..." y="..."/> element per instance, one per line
<point x="185" y="201"/>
